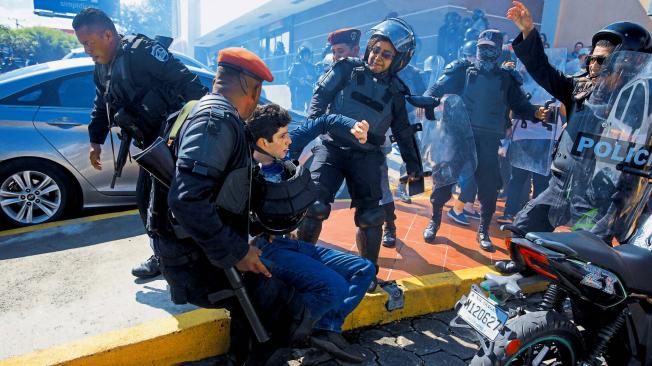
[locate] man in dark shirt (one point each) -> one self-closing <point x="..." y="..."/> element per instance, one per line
<point x="138" y="80"/>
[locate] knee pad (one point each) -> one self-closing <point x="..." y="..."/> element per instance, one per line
<point x="369" y="217"/>
<point x="319" y="211"/>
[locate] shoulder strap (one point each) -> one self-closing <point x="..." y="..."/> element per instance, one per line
<point x="181" y="118"/>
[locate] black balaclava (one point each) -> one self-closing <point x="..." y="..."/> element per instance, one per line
<point x="487" y="57"/>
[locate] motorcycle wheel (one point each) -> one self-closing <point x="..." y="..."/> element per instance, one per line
<point x="545" y="336"/>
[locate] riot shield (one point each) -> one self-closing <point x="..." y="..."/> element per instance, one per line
<point x="532" y="142"/>
<point x="448" y="144"/>
<point x="606" y="185"/>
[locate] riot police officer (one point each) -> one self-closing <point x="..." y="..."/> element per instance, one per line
<point x="344" y="43"/>
<point x="137" y="82"/>
<point x="301" y="79"/>
<point x="450" y="37"/>
<point x="488" y="91"/>
<point x="364" y="90"/>
<point x="573" y="92"/>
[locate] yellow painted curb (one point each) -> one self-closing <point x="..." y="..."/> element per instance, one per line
<point x="190" y="336"/>
<point x="204" y="333"/>
<point x="49" y="225"/>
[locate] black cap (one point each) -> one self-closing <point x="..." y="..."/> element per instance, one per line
<point x="491" y="37"/>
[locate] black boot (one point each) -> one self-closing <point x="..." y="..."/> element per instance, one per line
<point x="368" y="242"/>
<point x="389" y="235"/>
<point x="430" y="233"/>
<point x="484" y="240"/>
<point x="335" y="344"/>
<point x="147" y="269"/>
<point x="309" y="230"/>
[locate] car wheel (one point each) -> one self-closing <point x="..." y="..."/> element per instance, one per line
<point x="33" y="192"/>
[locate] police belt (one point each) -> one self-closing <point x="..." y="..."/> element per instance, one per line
<point x="180" y="260"/>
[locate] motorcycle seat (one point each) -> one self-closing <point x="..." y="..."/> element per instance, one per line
<point x="632" y="264"/>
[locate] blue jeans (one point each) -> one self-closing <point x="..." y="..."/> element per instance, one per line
<point x="332" y="282"/>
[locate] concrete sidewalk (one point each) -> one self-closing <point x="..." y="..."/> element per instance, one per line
<point x="66" y="283"/>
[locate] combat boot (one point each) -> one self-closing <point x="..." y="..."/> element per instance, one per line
<point x="430" y="233"/>
<point x="483" y="238"/>
<point x="389" y="235"/>
<point x="147" y="269"/>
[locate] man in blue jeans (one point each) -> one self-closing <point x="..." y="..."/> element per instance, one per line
<point x="331" y="282"/>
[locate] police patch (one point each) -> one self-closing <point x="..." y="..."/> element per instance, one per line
<point x="160" y="53"/>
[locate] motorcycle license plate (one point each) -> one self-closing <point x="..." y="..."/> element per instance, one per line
<point x="482" y="314"/>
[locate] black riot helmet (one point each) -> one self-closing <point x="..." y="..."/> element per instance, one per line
<point x="469" y="49"/>
<point x="627" y="36"/>
<point x="400" y="34"/>
<point x="277" y="208"/>
<point x="303" y="51"/>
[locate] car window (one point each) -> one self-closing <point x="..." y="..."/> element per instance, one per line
<point x="207" y="82"/>
<point x="77" y="91"/>
<point x="31" y="97"/>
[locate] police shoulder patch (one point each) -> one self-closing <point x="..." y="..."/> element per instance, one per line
<point x="159" y="53"/>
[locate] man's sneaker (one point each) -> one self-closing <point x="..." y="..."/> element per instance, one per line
<point x="402" y="194"/>
<point x="147" y="269"/>
<point x="505" y="219"/>
<point x="430" y="233"/>
<point x="389" y="236"/>
<point x="335" y="344"/>
<point x="484" y="240"/>
<point x="473" y="215"/>
<point x="458" y="218"/>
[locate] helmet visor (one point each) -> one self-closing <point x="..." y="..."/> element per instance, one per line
<point x="399" y="33"/>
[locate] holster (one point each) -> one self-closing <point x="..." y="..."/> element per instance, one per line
<point x="157" y="160"/>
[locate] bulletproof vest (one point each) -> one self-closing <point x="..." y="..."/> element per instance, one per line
<point x="126" y="92"/>
<point x="563" y="160"/>
<point x="364" y="98"/>
<point x="232" y="199"/>
<point x="485" y="98"/>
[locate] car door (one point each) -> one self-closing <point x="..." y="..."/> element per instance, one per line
<point x="63" y="120"/>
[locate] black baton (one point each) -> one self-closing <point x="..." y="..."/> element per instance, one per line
<point x="241" y="293"/>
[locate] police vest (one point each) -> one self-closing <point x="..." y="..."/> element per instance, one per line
<point x="485" y="98"/>
<point x="365" y="98"/>
<point x="272" y="207"/>
<point x="146" y="101"/>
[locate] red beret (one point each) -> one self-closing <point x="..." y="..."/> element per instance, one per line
<point x="345" y="35"/>
<point x="245" y="61"/>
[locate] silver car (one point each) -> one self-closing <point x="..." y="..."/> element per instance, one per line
<point x="44" y="167"/>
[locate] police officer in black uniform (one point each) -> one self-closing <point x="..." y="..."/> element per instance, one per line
<point x="363" y="90"/>
<point x="488" y="92"/>
<point x="139" y="82"/>
<point x="302" y="76"/>
<point x="573" y="92"/>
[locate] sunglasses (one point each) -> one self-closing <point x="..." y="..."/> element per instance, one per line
<point x="387" y="55"/>
<point x="598" y="59"/>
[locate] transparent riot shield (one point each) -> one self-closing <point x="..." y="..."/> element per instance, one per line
<point x="606" y="185"/>
<point x="532" y="142"/>
<point x="448" y="144"/>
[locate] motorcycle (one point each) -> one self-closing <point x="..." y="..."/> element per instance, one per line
<point x="597" y="307"/>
